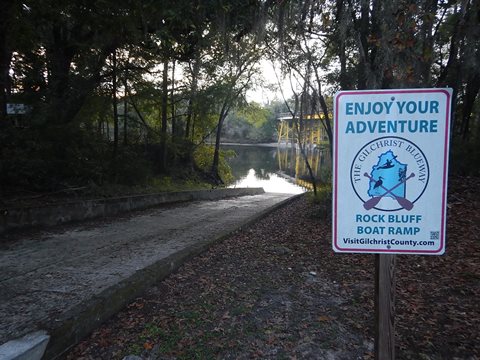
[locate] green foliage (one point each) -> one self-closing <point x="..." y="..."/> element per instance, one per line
<point x="58" y="65"/>
<point x="132" y="168"/>
<point x="250" y="124"/>
<point x="324" y="194"/>
<point x="134" y="349"/>
<point x="31" y="159"/>
<point x="21" y="160"/>
<point x="255" y="114"/>
<point x="203" y="156"/>
<point x="65" y="158"/>
<point x="65" y="71"/>
<point x="169" y="183"/>
<point x="323" y="200"/>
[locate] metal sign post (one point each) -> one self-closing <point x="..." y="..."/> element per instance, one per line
<point x="390" y="167"/>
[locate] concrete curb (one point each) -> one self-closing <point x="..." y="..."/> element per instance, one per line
<point x="84" y="318"/>
<point x="56" y="214"/>
<point x="28" y="347"/>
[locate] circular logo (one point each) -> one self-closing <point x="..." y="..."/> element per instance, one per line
<point x="389" y="174"/>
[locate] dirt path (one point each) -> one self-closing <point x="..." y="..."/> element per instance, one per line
<point x="278" y="291"/>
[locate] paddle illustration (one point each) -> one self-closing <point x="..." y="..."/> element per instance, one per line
<point x="403" y="202"/>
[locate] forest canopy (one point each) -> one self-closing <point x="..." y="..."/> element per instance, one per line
<point x="110" y="92"/>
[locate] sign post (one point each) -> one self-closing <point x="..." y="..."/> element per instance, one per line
<point x="384" y="307"/>
<point x="390" y="167"/>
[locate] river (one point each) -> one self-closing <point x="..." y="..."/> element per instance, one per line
<point x="277" y="169"/>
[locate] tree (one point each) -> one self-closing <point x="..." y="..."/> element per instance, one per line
<point x="301" y="26"/>
<point x="376" y="44"/>
<point x="235" y="76"/>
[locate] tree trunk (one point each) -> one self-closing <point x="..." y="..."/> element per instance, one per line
<point x="125" y="111"/>
<point x="450" y="71"/>
<point x="471" y="92"/>
<point x="65" y="97"/>
<point x="324" y="108"/>
<point x="341" y="51"/>
<point x="364" y="33"/>
<point x="216" y="154"/>
<point x="62" y="102"/>
<point x="115" y="105"/>
<point x="163" y="132"/>
<point x="5" y="57"/>
<point x="193" y="94"/>
<point x="451" y="75"/>
<point x="172" y="102"/>
<point x="194" y="122"/>
<point x="427" y="41"/>
<point x="328" y="123"/>
<point x="301" y="144"/>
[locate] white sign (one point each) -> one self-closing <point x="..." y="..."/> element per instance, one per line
<point x="390" y="171"/>
<point x="17" y="109"/>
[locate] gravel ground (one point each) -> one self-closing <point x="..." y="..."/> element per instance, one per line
<point x="276" y="290"/>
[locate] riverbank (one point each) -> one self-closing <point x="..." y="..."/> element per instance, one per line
<point x="277" y="290"/>
<point x="281" y="145"/>
<point x="269" y="145"/>
<point x="22" y="198"/>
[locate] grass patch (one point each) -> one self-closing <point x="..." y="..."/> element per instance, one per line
<point x="135" y="349"/>
<point x="323" y="202"/>
<point x="324" y="194"/>
<point x="168" y="340"/>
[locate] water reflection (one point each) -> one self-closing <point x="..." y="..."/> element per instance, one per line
<point x="277" y="169"/>
<point x="271" y="183"/>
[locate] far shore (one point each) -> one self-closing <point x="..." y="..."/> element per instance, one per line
<point x="271" y="145"/>
<point x="281" y="145"/>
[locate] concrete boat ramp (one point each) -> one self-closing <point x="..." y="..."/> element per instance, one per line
<point x="60" y="283"/>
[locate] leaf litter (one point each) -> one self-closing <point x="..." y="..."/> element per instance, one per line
<point x="276" y="290"/>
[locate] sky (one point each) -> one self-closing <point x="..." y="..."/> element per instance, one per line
<point x="263" y="90"/>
